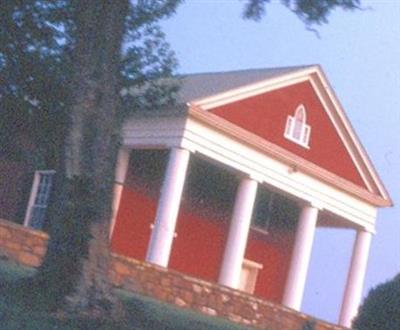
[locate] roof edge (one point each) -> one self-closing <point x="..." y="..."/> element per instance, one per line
<point x="292" y="68"/>
<point x="252" y="89"/>
<point x="352" y="136"/>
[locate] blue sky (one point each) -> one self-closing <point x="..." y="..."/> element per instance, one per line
<point x="359" y="52"/>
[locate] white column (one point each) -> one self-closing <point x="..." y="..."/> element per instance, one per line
<point x="301" y="255"/>
<point x="168" y="207"/>
<point x="238" y="233"/>
<point x="355" y="279"/>
<point x="121" y="168"/>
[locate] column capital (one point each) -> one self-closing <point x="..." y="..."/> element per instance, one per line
<point x="255" y="177"/>
<point x="250" y="176"/>
<point x="365" y="230"/>
<point x="311" y="203"/>
<point x="317" y="205"/>
<point x="185" y="146"/>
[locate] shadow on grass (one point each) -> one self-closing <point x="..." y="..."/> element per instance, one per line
<point x="150" y="313"/>
<point x="21" y="307"/>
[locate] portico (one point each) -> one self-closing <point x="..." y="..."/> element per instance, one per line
<point x="164" y="229"/>
<point x="257" y="165"/>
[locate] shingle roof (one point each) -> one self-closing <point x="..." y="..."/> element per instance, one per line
<point x="199" y="85"/>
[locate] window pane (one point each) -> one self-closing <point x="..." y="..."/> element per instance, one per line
<point x="39" y="200"/>
<point x="298" y="129"/>
<point x="37" y="217"/>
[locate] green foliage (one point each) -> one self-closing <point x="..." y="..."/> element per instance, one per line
<point x="37" y="41"/>
<point x="309" y="11"/>
<point x="33" y="71"/>
<point x="381" y="308"/>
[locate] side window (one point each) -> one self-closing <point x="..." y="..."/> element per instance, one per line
<point x="296" y="129"/>
<point x="39" y="199"/>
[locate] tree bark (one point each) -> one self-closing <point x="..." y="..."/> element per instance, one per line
<point x="79" y="245"/>
<point x="92" y="141"/>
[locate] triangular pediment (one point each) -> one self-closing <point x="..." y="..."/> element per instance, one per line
<point x="269" y="109"/>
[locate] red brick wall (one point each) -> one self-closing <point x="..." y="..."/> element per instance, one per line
<point x="199" y="245"/>
<point x="273" y="251"/>
<point x="132" y="228"/>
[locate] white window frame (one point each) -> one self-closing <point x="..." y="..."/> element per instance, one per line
<point x="33" y="202"/>
<point x="297" y="130"/>
<point x="248" y="282"/>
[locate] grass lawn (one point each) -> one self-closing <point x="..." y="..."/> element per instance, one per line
<point x="142" y="312"/>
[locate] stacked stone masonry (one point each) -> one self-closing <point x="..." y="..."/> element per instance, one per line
<point x="28" y="247"/>
<point x="24" y="245"/>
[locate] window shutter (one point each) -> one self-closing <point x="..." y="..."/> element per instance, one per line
<point x="306" y="135"/>
<point x="289" y="126"/>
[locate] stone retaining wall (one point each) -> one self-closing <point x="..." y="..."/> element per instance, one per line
<point x="212" y="299"/>
<point x="24" y="245"/>
<point x="28" y="246"/>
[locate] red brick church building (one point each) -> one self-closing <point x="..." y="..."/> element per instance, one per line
<point x="230" y="185"/>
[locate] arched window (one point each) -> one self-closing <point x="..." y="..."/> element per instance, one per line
<point x="296" y="129"/>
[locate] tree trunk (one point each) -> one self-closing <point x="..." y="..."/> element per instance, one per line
<point x="92" y="141"/>
<point x="79" y="246"/>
